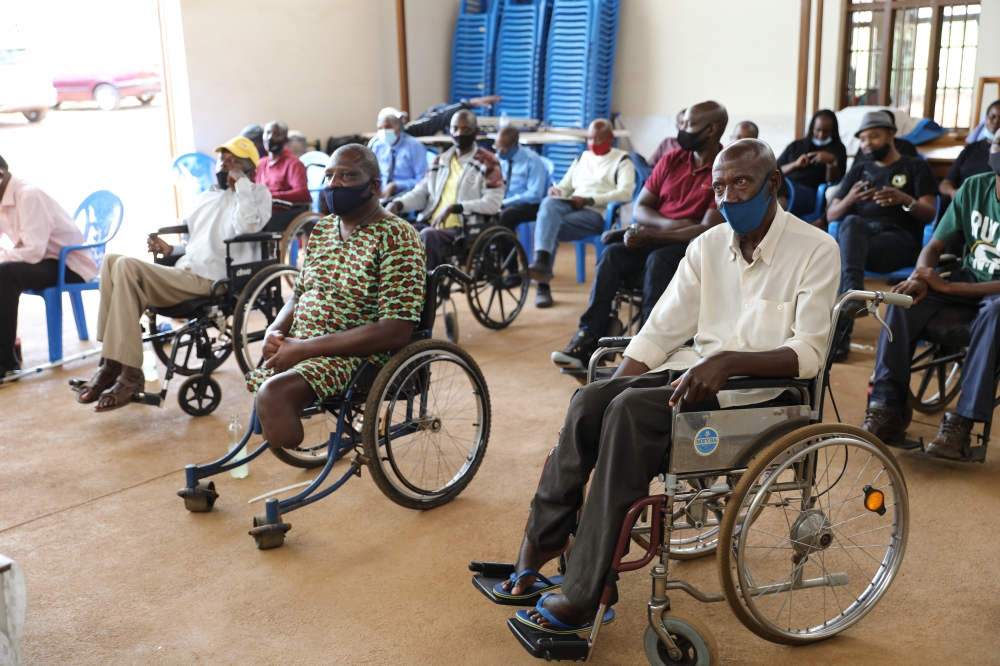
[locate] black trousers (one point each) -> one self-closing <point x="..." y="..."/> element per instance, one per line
<point x="515" y="214"/>
<point x="17" y="277"/>
<point x="873" y="245"/>
<point x="617" y="264"/>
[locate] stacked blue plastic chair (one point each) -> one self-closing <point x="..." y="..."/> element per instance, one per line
<point x="579" y="67"/>
<point x="520" y="57"/>
<point x="473" y="49"/>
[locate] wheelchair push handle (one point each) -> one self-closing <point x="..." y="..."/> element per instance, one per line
<point x="901" y="300"/>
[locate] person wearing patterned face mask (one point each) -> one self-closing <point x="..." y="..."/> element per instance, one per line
<point x="402" y="160"/>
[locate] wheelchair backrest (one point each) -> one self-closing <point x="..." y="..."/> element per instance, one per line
<point x="241" y="274"/>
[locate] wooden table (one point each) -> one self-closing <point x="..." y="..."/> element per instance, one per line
<point x="942" y="152"/>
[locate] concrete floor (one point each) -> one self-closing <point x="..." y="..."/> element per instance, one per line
<point x="119" y="573"/>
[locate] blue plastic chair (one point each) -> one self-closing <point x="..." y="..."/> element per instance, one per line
<point x="195" y="173"/>
<point x="611" y="216"/>
<point x="103" y="213"/>
<point x="903" y="273"/>
<point x="315" y="163"/>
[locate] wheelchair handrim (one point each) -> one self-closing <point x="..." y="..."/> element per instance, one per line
<point x="244" y="335"/>
<point x="888" y="565"/>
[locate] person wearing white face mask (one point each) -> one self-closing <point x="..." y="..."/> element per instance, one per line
<point x="401" y="158"/>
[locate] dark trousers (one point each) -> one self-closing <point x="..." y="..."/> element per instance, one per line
<point x="620" y="430"/>
<point x="873" y="245"/>
<point x="282" y="217"/>
<point x="619" y="263"/>
<point x="17" y="277"/>
<point x="515" y="214"/>
<point x="435" y="241"/>
<point x="893" y="359"/>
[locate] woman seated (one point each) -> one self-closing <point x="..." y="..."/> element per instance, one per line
<point x="972" y="161"/>
<point x="817" y="158"/>
<point x="358" y="297"/>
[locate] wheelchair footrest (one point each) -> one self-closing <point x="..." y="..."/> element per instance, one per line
<point x="550" y="647"/>
<point x="908" y="444"/>
<point x="154" y="399"/>
<point x="485" y="585"/>
<point x="969" y="454"/>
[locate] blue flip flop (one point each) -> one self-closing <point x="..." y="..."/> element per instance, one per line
<point x="563" y="628"/>
<point x="540" y="586"/>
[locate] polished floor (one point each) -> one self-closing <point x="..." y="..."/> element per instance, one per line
<point x="119" y="573"/>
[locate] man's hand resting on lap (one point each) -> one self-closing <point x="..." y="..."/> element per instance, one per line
<point x="290" y="351"/>
<point x="702" y="380"/>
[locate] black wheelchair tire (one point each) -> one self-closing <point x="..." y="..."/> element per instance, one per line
<point x="937" y="377"/>
<point x="483" y="245"/>
<point x="245" y="305"/>
<point x="188" y="391"/>
<point x="162" y="353"/>
<point x="377" y="397"/>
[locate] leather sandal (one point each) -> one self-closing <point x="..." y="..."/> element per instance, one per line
<point x="130" y="382"/>
<point x="108" y="371"/>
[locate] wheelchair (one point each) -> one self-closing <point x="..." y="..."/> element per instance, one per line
<point x="490" y="254"/>
<point x="808" y="521"/>
<point x="233" y="317"/>
<point x="395" y="418"/>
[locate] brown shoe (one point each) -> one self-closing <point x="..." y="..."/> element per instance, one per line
<point x="886" y="423"/>
<point x="106" y="375"/>
<point x="130" y="382"/>
<point x="954" y="436"/>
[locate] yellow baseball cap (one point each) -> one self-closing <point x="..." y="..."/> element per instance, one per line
<point x="241" y="147"/>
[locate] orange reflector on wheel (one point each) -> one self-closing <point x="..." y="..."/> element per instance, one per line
<point x="874" y="500"/>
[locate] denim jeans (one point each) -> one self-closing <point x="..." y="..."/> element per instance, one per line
<point x="557" y="221"/>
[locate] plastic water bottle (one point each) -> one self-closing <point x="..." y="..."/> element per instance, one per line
<point x="235" y="435"/>
<point x="504" y="120"/>
<point x="149" y="370"/>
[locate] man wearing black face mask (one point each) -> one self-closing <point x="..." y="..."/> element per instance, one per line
<point x="285" y="177"/>
<point x="463" y="180"/>
<point x="236" y="205"/>
<point x="884" y="201"/>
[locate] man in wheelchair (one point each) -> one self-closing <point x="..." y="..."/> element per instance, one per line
<point x="756" y="296"/>
<point x="235" y="205"/>
<point x="358" y="297"/>
<point x="974" y="219"/>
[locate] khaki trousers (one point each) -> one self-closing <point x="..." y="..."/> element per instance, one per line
<point x="128" y="286"/>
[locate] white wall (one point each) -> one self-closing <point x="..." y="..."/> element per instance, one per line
<point x="988" y="56"/>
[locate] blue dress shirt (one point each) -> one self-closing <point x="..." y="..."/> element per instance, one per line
<point x="526" y="178"/>
<point x="406" y="159"/>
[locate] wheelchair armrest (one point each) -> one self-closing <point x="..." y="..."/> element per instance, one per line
<point x="178" y="229"/>
<point x="252" y="238"/>
<point x="744" y="383"/>
<point x="614" y="342"/>
<point x="450" y="271"/>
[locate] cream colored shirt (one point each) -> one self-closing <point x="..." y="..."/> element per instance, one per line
<point x="605" y="178"/>
<point x="784" y="298"/>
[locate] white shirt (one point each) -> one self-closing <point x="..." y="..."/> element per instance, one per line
<point x="218" y="215"/>
<point x="605" y="178"/>
<point x="784" y="298"/>
<point x="39" y="228"/>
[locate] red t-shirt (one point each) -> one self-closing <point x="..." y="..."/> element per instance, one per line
<point x="286" y="178"/>
<point x="682" y="191"/>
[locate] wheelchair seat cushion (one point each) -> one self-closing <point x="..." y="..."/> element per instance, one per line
<point x="950" y="326"/>
<point x="196" y="307"/>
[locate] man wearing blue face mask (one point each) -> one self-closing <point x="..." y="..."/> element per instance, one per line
<point x="755" y="295"/>
<point x="525" y="179"/>
<point x="402" y="160"/>
<point x="817" y="158"/>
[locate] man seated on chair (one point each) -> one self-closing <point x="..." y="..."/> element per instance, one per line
<point x="402" y="160"/>
<point x="236" y="205"/>
<point x="38" y="228"/>
<point x="972" y="219"/>
<point x="668" y="144"/>
<point x="756" y="295"/>
<point x="575" y="208"/>
<point x="256" y="134"/>
<point x="675" y="205"/>
<point x="463" y="180"/>
<point x="284" y="175"/>
<point x="357" y="298"/>
<point x="525" y="177"/>
<point x="884" y="202"/>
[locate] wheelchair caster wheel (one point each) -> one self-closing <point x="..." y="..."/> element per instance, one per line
<point x="201" y="498"/>
<point x="268" y="536"/>
<point x="691" y="636"/>
<point x="199" y="395"/>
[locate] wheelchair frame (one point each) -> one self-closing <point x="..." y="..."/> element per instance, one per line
<point x="672" y="635"/>
<point x="268" y="529"/>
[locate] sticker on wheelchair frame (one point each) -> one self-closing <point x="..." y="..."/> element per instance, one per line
<point x="706" y="441"/>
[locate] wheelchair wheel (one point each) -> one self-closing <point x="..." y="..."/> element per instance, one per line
<point x="188" y="362"/>
<point x="498" y="266"/>
<point x="814" y="533"/>
<point x="689" y="543"/>
<point x="258" y="306"/>
<point x="319" y="427"/>
<point x="199" y="395"/>
<point x="690" y="635"/>
<point x="427" y="423"/>
<point x="296" y="237"/>
<point x="933" y="383"/>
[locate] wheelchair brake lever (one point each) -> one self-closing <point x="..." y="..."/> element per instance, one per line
<point x="873" y="309"/>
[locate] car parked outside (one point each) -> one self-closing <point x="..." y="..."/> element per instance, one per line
<point x="106" y="84"/>
<point x="25" y="86"/>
